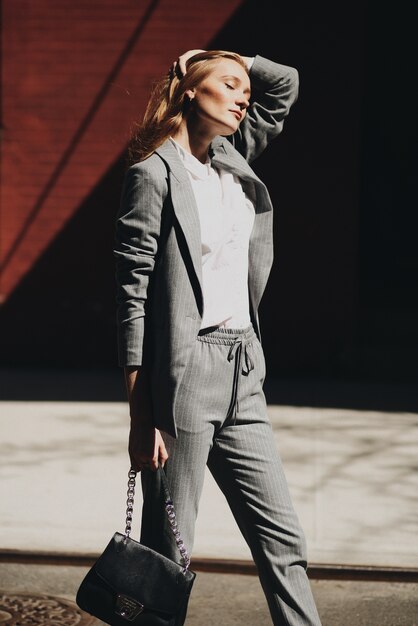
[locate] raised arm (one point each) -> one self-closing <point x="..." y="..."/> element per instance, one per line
<point x="274" y="90"/>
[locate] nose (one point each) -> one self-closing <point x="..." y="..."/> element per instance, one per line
<point x="243" y="101"/>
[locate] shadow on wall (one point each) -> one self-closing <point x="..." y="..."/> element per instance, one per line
<point x="316" y="321"/>
<point x="63" y="312"/>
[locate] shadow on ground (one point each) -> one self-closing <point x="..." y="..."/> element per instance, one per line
<point x="107" y="385"/>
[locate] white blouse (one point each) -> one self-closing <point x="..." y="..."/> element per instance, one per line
<point x="226" y="219"/>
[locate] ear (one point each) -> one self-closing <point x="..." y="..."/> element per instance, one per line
<point x="190" y="93"/>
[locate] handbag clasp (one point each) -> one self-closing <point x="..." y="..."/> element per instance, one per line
<point x="127" y="607"/>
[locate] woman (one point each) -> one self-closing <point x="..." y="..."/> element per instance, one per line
<point x="194" y="250"/>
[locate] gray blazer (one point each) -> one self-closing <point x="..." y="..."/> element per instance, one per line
<point x="158" y="244"/>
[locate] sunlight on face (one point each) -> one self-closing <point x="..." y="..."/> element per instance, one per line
<point x="222" y="98"/>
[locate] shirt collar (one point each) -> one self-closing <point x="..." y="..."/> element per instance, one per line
<point x="196" y="168"/>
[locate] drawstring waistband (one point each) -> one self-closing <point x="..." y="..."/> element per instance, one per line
<point x="241" y="342"/>
<point x="239" y="349"/>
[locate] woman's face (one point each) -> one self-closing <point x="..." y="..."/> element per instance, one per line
<point x="221" y="99"/>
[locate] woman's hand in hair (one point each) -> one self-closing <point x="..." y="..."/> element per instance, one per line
<point x="179" y="66"/>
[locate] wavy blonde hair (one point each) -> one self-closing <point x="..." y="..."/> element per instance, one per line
<point x="168" y="103"/>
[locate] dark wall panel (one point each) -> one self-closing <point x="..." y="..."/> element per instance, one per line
<point x="327" y="174"/>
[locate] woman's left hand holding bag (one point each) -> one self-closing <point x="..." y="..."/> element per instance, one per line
<point x="146" y="445"/>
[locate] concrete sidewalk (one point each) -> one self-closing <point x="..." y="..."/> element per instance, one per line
<point x="352" y="474"/>
<point x="350" y="458"/>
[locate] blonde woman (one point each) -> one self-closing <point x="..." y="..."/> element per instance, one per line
<point x="194" y="248"/>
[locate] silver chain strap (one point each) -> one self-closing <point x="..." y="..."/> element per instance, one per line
<point x="171" y="515"/>
<point x="130" y="502"/>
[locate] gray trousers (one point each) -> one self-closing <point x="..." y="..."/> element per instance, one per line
<point x="222" y="422"/>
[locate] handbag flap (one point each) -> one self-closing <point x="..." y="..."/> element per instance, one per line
<point x="148" y="577"/>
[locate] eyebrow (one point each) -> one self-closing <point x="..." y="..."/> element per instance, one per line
<point x="236" y="80"/>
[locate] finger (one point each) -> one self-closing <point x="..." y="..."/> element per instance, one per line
<point x="154" y="460"/>
<point x="163" y="454"/>
<point x="182" y="65"/>
<point x="186" y="56"/>
<point x="163" y="459"/>
<point x="153" y="464"/>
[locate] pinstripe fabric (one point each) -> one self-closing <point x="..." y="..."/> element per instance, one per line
<point x="158" y="243"/>
<point x="193" y="383"/>
<point x="243" y="458"/>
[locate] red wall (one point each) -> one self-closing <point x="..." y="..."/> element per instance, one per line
<point x="75" y="76"/>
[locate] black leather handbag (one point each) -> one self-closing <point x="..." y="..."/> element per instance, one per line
<point x="132" y="584"/>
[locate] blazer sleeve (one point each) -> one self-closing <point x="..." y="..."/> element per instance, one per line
<point x="275" y="88"/>
<point x="138" y="226"/>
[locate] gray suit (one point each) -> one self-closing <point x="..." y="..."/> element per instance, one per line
<point x="158" y="245"/>
<point x="159" y="275"/>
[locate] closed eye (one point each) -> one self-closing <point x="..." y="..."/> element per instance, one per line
<point x="229" y="86"/>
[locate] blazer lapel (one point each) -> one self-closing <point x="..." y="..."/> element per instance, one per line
<point x="260" y="253"/>
<point x="185" y="208"/>
<point x="224" y="155"/>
